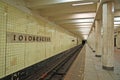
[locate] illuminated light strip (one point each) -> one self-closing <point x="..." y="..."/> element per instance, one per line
<point x="83" y="29"/>
<point x="116" y="25"/>
<point x="83" y="20"/>
<point x="82" y="26"/>
<point x="83" y="15"/>
<point x="116" y="22"/>
<point x="85" y="36"/>
<point x="78" y="4"/>
<point x="117" y="19"/>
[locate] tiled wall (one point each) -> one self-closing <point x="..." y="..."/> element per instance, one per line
<point x="16" y="22"/>
<point x="16" y="56"/>
<point x="2" y="38"/>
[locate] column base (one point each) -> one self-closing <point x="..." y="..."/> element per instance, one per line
<point x="93" y="50"/>
<point x="108" y="68"/>
<point x="97" y="55"/>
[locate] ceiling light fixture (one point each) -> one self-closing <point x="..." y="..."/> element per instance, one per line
<point x="85" y="28"/>
<point x="82" y="26"/>
<point x="117" y="19"/>
<point x="85" y="36"/>
<point x="116" y="26"/>
<point x="78" y="4"/>
<point x="83" y="15"/>
<point x="83" y="20"/>
<point x="117" y="23"/>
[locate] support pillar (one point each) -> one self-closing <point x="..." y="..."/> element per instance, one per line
<point x="118" y="40"/>
<point x="93" y="39"/>
<point x="98" y="38"/>
<point x="108" y="36"/>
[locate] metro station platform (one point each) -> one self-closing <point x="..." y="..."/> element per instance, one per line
<point x="92" y="70"/>
<point x="39" y="39"/>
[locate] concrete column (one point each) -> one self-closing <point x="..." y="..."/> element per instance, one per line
<point x="108" y="36"/>
<point x="118" y="40"/>
<point x="98" y="38"/>
<point x="93" y="40"/>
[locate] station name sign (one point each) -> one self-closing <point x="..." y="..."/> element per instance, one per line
<point x="13" y="37"/>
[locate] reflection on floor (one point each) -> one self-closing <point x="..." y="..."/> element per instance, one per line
<point x="92" y="70"/>
<point x="93" y="67"/>
<point x="117" y="63"/>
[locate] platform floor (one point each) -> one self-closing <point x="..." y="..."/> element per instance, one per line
<point x="76" y="71"/>
<point x="117" y="63"/>
<point x="92" y="70"/>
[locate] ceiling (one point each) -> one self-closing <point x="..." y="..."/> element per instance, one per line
<point x="70" y="14"/>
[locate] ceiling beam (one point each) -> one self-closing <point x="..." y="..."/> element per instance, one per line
<point x="56" y="11"/>
<point x="74" y="32"/>
<point x="117" y="4"/>
<point x="44" y="3"/>
<point x="72" y="25"/>
<point x="76" y="21"/>
<point x="77" y="27"/>
<point x="72" y="16"/>
<point x="117" y="13"/>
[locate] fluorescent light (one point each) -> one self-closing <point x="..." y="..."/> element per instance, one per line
<point x="84" y="15"/>
<point x="85" y="36"/>
<point x="117" y="19"/>
<point x="87" y="31"/>
<point x="116" y="22"/>
<point x="83" y="20"/>
<point x="84" y="24"/>
<point x="51" y="31"/>
<point x="116" y="25"/>
<point x="88" y="20"/>
<point x="84" y="31"/>
<point x="78" y="4"/>
<point x="84" y="28"/>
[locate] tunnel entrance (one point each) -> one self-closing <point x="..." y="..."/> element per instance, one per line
<point x="83" y="42"/>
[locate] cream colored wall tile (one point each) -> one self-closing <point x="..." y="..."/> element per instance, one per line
<point x="14" y="63"/>
<point x="21" y="55"/>
<point x="2" y="38"/>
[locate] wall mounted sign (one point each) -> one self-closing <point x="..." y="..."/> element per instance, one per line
<point x="13" y="37"/>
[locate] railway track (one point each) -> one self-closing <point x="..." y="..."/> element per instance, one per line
<point x="53" y="68"/>
<point x="60" y="71"/>
<point x="57" y="69"/>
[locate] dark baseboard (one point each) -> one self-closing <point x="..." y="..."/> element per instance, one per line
<point x="93" y="50"/>
<point x="108" y="68"/>
<point x="97" y="55"/>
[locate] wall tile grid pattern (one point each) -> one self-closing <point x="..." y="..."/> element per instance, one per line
<point x="16" y="56"/>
